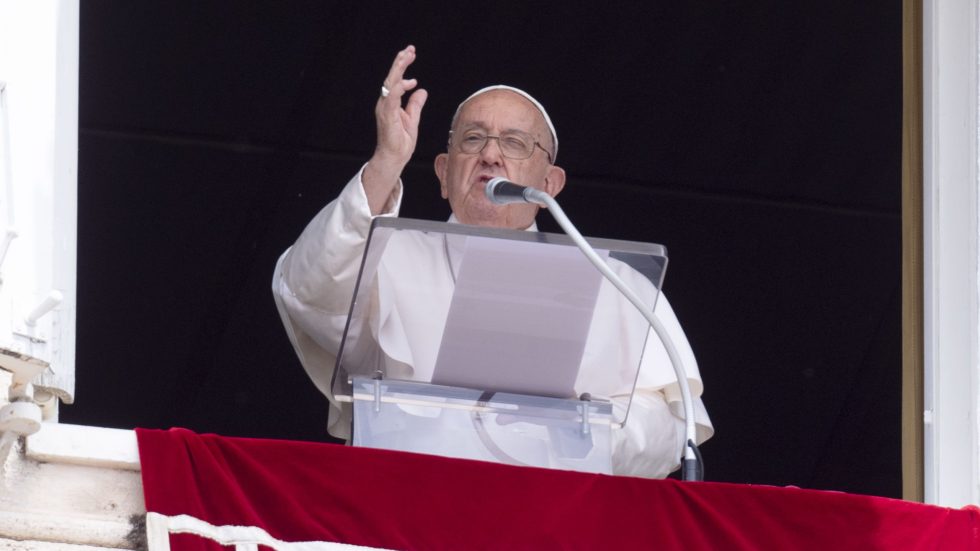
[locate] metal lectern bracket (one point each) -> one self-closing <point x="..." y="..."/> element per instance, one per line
<point x="377" y="391"/>
<point x="586" y="426"/>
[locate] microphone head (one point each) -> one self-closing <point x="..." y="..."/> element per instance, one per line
<point x="502" y="191"/>
<point x="491" y="187"/>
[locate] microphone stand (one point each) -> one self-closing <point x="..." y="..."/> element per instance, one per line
<point x="691" y="464"/>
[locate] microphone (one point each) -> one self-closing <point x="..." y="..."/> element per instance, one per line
<point x="502" y="191"/>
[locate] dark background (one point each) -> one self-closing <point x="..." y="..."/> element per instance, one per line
<point x="758" y="140"/>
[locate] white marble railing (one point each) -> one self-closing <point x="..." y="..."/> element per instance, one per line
<point x="72" y="487"/>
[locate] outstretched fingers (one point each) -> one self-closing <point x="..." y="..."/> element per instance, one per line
<point x="395" y="81"/>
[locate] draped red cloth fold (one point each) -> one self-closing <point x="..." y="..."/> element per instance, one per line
<point x="303" y="491"/>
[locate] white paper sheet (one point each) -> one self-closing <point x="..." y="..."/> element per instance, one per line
<point x="519" y="317"/>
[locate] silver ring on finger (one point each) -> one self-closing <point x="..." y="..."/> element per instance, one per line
<point x="384" y="91"/>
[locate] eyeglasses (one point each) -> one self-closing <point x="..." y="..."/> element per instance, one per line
<point x="513" y="144"/>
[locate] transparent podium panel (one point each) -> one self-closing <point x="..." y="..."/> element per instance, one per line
<point x="504" y="311"/>
<point x="513" y="429"/>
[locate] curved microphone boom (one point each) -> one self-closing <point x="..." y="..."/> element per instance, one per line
<point x="502" y="191"/>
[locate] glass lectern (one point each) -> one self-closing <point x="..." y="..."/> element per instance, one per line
<point x="493" y="344"/>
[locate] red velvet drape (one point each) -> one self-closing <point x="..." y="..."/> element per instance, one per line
<point x="301" y="491"/>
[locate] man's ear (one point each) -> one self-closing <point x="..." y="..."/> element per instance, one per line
<point x="554" y="181"/>
<point x="441" y="164"/>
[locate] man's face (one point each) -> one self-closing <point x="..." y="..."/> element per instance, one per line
<point x="463" y="176"/>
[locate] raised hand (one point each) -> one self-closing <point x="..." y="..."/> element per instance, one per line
<point x="398" y="129"/>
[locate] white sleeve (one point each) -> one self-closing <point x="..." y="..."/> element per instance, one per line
<point x="314" y="282"/>
<point x="650" y="444"/>
<point x="652" y="441"/>
<point x="320" y="269"/>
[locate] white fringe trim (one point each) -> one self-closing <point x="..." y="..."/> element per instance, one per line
<point x="244" y="538"/>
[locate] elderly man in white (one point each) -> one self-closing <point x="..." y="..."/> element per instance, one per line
<point x="498" y="131"/>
